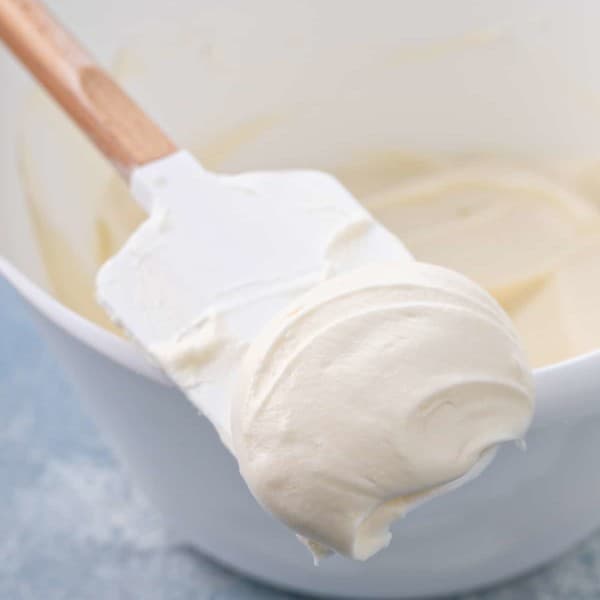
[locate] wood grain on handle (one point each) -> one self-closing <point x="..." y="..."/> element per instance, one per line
<point x="118" y="127"/>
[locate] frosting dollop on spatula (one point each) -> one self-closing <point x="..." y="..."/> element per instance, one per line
<point x="373" y="392"/>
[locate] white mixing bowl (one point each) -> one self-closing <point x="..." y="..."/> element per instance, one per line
<point x="318" y="84"/>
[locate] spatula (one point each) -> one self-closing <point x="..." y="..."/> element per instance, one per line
<point x="219" y="255"/>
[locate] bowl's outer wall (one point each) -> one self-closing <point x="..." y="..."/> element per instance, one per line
<point x="525" y="509"/>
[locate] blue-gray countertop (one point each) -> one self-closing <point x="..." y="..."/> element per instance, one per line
<point x="74" y="527"/>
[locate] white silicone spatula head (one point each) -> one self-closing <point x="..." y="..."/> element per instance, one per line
<point x="218" y="255"/>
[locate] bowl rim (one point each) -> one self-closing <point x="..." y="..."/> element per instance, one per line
<point x="110" y="345"/>
<point x="131" y="356"/>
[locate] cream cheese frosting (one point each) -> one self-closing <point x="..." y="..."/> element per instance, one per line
<point x="378" y="385"/>
<point x="529" y="237"/>
<point x="370" y="393"/>
<point x="517" y="227"/>
<point x="528" y="233"/>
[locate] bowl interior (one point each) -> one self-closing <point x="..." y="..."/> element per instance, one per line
<point x="290" y="85"/>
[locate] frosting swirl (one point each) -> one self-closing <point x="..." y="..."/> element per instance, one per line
<point x="372" y="392"/>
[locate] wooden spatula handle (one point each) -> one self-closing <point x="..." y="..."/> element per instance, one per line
<point x="118" y="127"/>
